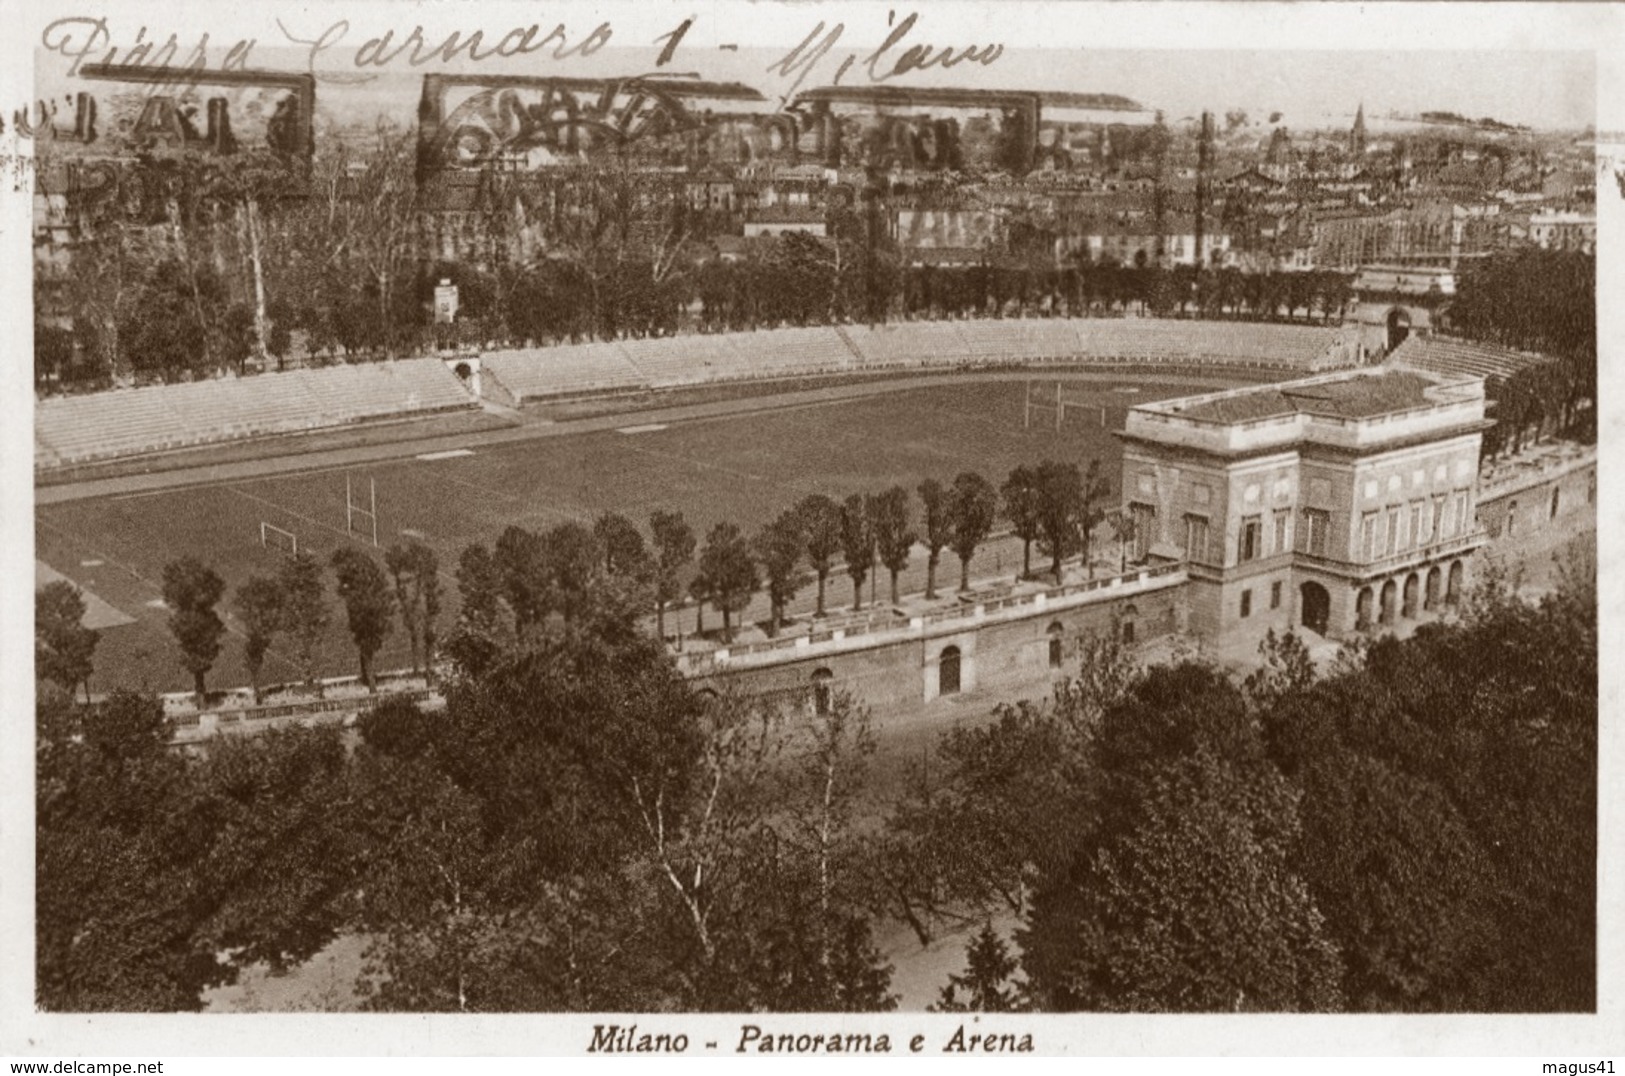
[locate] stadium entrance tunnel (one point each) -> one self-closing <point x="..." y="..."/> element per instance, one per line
<point x="1399" y="326"/>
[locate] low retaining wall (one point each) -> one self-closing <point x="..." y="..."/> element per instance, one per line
<point x="1539" y="493"/>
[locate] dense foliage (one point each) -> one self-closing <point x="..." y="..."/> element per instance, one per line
<point x="1412" y="830"/>
<point x="1540" y="301"/>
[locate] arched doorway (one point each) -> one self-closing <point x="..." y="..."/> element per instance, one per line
<point x="1390" y="594"/>
<point x="1130" y="615"/>
<point x="1452" y="588"/>
<point x="1316" y="607"/>
<point x="1362" y="609"/>
<point x="822" y="691"/>
<point x="948" y="671"/>
<point x="1430" y="594"/>
<point x="1399" y="326"/>
<point x="1055" y="645"/>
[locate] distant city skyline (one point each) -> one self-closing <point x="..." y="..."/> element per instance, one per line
<point x="1540" y="89"/>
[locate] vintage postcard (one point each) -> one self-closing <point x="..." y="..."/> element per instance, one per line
<point x="786" y="529"/>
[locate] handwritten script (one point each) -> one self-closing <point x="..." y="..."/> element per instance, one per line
<point x="338" y="53"/>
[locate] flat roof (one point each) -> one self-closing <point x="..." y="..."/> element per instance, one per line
<point x="1356" y="397"/>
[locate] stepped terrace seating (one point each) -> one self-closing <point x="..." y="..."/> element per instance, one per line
<point x="797" y="352"/>
<point x="80" y="429"/>
<point x="569" y="370"/>
<point x="127" y="422"/>
<point x="907" y="345"/>
<point x="1010" y="341"/>
<point x="1161" y="340"/>
<point x="1449" y="355"/>
<point x="674" y="361"/>
<point x="671" y="361"/>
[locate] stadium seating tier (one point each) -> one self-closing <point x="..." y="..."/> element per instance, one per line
<point x="80" y="429"/>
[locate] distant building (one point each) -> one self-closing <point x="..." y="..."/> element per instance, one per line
<point x="1394" y="301"/>
<point x="784" y="218"/>
<point x="1564" y="231"/>
<point x="1140" y="243"/>
<point x="1330" y="504"/>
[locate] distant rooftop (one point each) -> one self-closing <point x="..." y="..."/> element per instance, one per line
<point x="1355" y="397"/>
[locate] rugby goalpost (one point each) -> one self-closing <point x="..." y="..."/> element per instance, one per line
<point x="272" y="535"/>
<point x="365" y="514"/>
<point x="1044" y="402"/>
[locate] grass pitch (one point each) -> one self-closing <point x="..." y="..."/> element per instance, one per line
<point x="744" y="468"/>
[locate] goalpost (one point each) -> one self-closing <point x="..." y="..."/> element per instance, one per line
<point x="1043" y="401"/>
<point x="365" y="514"/>
<point x="272" y="536"/>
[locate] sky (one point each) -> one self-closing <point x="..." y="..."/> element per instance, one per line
<point x="1541" y="89"/>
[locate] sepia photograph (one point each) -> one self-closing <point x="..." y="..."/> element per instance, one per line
<point x="817" y="521"/>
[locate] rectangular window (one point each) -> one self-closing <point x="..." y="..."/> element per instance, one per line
<point x="1275" y="594"/>
<point x="1368" y="535"/>
<point x="1281" y="516"/>
<point x="1462" y="522"/>
<point x="1251" y="537"/>
<point x="1145" y="528"/>
<point x="1438" y="530"/>
<point x="1312" y="531"/>
<point x="1392" y="539"/>
<point x="1418" y="517"/>
<point x="1246" y="603"/>
<point x="1196" y="538"/>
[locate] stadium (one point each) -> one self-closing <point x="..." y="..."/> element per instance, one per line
<point x="721" y="427"/>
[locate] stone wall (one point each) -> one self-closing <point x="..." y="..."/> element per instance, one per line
<point x="1000" y="654"/>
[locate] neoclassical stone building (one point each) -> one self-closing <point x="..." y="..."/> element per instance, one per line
<point x="1333" y="503"/>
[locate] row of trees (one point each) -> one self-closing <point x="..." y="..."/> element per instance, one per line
<point x="1542" y="301"/>
<point x="177" y="323"/>
<point x="513" y="587"/>
<point x="230" y="262"/>
<point x="1413" y="830"/>
<point x="291" y="603"/>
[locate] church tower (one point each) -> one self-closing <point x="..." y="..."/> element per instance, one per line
<point x="1357" y="135"/>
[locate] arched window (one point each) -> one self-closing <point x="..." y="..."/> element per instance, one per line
<point x="1130" y="616"/>
<point x="948" y="671"/>
<point x="1555" y="495"/>
<point x="1512" y="517"/>
<point x="822" y="691"/>
<point x="1055" y="645"/>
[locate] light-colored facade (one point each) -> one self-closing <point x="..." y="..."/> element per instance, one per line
<point x="1394" y="301"/>
<point x="1333" y="503"/>
<point x="1564" y="231"/>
